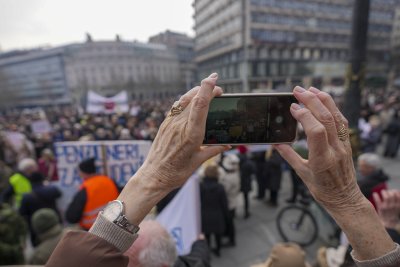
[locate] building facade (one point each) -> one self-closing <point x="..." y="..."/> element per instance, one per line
<point x="270" y="44"/>
<point x="65" y="74"/>
<point x="183" y="46"/>
<point x="34" y="78"/>
<point x="395" y="56"/>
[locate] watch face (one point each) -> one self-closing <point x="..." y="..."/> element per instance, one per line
<point x="113" y="210"/>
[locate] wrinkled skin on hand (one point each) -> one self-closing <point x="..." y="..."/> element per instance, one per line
<point x="329" y="171"/>
<point x="176" y="151"/>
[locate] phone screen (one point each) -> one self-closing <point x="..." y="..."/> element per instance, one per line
<point x="251" y="119"/>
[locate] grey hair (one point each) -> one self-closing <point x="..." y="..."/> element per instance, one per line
<point x="26" y="164"/>
<point x="161" y="251"/>
<point x="371" y="159"/>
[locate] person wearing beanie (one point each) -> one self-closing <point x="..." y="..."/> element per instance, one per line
<point x="46" y="225"/>
<point x="41" y="196"/>
<point x="285" y="255"/>
<point x="94" y="194"/>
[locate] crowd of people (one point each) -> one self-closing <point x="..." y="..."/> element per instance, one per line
<point x="28" y="200"/>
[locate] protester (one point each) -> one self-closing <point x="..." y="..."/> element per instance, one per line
<point x="214" y="207"/>
<point x="393" y="136"/>
<point x="176" y="153"/>
<point x="46" y="226"/>
<point x="371" y="176"/>
<point x="370" y="141"/>
<point x="48" y="165"/>
<point x="247" y="171"/>
<point x="259" y="160"/>
<point x="230" y="180"/>
<point x="13" y="231"/>
<point x="41" y="196"/>
<point x="19" y="183"/>
<point x="273" y="174"/>
<point x="285" y="255"/>
<point x="5" y="174"/>
<point x="156" y="248"/>
<point x="95" y="192"/>
<point x="298" y="187"/>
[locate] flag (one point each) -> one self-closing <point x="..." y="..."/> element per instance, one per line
<point x="99" y="104"/>
<point x="181" y="217"/>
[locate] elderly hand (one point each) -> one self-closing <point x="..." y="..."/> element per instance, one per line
<point x="330" y="176"/>
<point x="329" y="171"/>
<point x="388" y="207"/>
<point x="175" y="153"/>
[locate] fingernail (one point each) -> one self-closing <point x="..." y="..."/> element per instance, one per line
<point x="213" y="75"/>
<point x="295" y="106"/>
<point x="299" y="89"/>
<point x="314" y="90"/>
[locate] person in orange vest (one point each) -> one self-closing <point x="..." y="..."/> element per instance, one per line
<point x="94" y="194"/>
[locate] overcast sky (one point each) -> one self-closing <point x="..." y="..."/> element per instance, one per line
<point x="32" y="23"/>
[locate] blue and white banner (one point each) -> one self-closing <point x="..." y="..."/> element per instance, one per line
<point x="117" y="159"/>
<point x="181" y="217"/>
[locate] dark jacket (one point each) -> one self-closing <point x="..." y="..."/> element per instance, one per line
<point x="247" y="169"/>
<point x="273" y="171"/>
<point x="42" y="196"/>
<point x="199" y="256"/>
<point x="368" y="183"/>
<point x="214" y="206"/>
<point x="13" y="232"/>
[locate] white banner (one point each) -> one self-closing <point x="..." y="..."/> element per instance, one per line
<point x="116" y="159"/>
<point x="99" y="104"/>
<point x="181" y="217"/>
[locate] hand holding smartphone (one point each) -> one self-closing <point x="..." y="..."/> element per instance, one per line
<point x="251" y="119"/>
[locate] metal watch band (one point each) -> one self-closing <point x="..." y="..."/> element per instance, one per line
<point x="123" y="222"/>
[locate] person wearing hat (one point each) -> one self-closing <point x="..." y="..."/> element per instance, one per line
<point x="46" y="225"/>
<point x="19" y="183"/>
<point x="94" y="194"/>
<point x="285" y="255"/>
<point x="42" y="196"/>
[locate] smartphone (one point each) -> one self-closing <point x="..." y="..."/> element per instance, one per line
<point x="251" y="119"/>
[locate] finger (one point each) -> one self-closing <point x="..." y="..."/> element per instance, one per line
<point x="186" y="98"/>
<point x="385" y="197"/>
<point x="294" y="159"/>
<point x="217" y="91"/>
<point x="397" y="197"/>
<point x="200" y="105"/>
<point x="320" y="111"/>
<point x="377" y="200"/>
<point x="208" y="152"/>
<point x="391" y="199"/>
<point x="316" y="133"/>
<point x="330" y="104"/>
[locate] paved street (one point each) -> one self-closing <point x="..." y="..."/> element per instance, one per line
<point x="256" y="235"/>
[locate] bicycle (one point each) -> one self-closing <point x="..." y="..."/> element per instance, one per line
<point x="297" y="223"/>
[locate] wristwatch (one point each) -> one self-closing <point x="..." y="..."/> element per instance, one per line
<point x="115" y="212"/>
